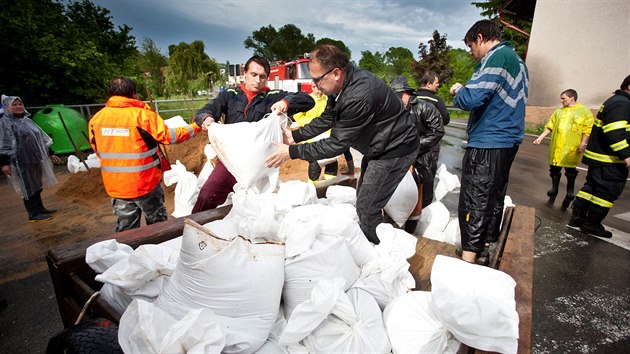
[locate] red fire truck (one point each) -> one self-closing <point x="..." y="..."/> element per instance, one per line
<point x="292" y="76"/>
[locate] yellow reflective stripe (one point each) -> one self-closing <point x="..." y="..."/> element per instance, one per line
<point x="593" y="199"/>
<point x="620" y="145"/>
<point x="621" y="124"/>
<point x="598" y="123"/>
<point x="602" y="158"/>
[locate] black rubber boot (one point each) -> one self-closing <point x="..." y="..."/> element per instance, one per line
<point x="593" y="225"/>
<point x="570" y="191"/>
<point x="40" y="205"/>
<point x="34" y="214"/>
<point x="410" y="226"/>
<point x="577" y="217"/>
<point x="553" y="192"/>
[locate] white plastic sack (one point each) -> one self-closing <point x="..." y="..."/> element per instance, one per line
<point x="341" y="194"/>
<point x="240" y="281"/>
<point x="75" y="165"/>
<point x="476" y="304"/>
<point x="412" y="327"/>
<point x="452" y="233"/>
<point x="175" y="122"/>
<point x="102" y="255"/>
<point x="144" y="328"/>
<point x="403" y="201"/>
<point x="447" y="182"/>
<point x="297" y="193"/>
<point x="433" y="221"/>
<point x="258" y="215"/>
<point x="243" y="148"/>
<point x="186" y="190"/>
<point x="303" y="271"/>
<point x="207" y="168"/>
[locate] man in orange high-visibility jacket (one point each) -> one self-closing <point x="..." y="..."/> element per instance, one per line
<point x="125" y="136"/>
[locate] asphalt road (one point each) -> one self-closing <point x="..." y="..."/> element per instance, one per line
<point x="581" y="283"/>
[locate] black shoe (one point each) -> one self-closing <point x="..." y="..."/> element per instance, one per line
<point x="39" y="217"/>
<point x="551" y="200"/>
<point x="595" y="230"/>
<point x="47" y="211"/>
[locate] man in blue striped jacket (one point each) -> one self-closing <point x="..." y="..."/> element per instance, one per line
<point x="495" y="96"/>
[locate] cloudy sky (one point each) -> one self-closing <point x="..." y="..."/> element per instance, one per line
<point x="374" y="25"/>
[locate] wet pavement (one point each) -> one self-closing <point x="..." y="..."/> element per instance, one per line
<point x="581" y="301"/>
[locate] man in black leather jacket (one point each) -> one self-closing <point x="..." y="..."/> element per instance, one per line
<point x="366" y="115"/>
<point x="430" y="130"/>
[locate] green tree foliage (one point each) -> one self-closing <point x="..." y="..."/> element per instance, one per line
<point x="54" y="53"/>
<point x="490" y="9"/>
<point x="339" y="44"/>
<point x="435" y="57"/>
<point x="190" y="69"/>
<point x="284" y="44"/>
<point x="463" y="65"/>
<point x="374" y="63"/>
<point x="153" y="65"/>
<point x="398" y="61"/>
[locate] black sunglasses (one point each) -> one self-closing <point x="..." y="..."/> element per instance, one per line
<point x="316" y="80"/>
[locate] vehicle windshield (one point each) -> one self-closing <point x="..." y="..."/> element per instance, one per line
<point x="304" y="73"/>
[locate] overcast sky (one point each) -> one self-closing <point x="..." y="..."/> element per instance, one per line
<point x="374" y="25"/>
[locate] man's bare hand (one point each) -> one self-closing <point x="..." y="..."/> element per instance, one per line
<point x="277" y="158"/>
<point x="55" y="159"/>
<point x="206" y="122"/>
<point x="6" y="170"/>
<point x="287" y="136"/>
<point x="456" y="86"/>
<point x="627" y="162"/>
<point x="280" y="106"/>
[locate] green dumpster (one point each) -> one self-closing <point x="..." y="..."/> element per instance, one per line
<point x="48" y="119"/>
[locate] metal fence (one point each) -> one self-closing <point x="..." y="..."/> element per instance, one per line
<point x="88" y="110"/>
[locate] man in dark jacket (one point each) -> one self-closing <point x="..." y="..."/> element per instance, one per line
<point x="608" y="158"/>
<point x="366" y="115"/>
<point x="430" y="131"/>
<point x="248" y="102"/>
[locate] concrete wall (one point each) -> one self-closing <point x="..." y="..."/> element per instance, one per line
<point x="578" y="44"/>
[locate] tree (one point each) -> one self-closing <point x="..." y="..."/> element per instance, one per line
<point x="54" y="53"/>
<point x="436" y="58"/>
<point x="463" y="64"/>
<point x="398" y="61"/>
<point x="284" y="44"/>
<point x="153" y="64"/>
<point x="374" y="63"/>
<point x="190" y="68"/>
<point x="491" y="10"/>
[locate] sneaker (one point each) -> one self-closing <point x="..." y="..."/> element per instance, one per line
<point x="595" y="230"/>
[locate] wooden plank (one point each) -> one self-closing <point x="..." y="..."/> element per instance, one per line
<point x="421" y="263"/>
<point x="507" y="220"/>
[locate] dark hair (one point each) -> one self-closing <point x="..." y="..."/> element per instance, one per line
<point x="428" y="77"/>
<point x="625" y="83"/>
<point x="571" y="93"/>
<point x="489" y="30"/>
<point x="260" y="61"/>
<point x="329" y="57"/>
<point x="122" y="86"/>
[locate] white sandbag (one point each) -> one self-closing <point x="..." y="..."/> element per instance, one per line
<point x="452" y="233"/>
<point x="447" y="182"/>
<point x="386" y="276"/>
<point x="403" y="201"/>
<point x="243" y="148"/>
<point x="341" y="194"/>
<point x="361" y="249"/>
<point x="299" y="228"/>
<point x="240" y="281"/>
<point x="145" y="328"/>
<point x="102" y="255"/>
<point x="433" y="221"/>
<point x="258" y="215"/>
<point x="412" y="327"/>
<point x="476" y="304"/>
<point x="297" y="193"/>
<point x="272" y="345"/>
<point x="115" y="297"/>
<point x="144" y="273"/>
<point x="186" y="190"/>
<point x="207" y="168"/>
<point x="225" y="229"/>
<point x="332" y="321"/>
<point x="175" y="122"/>
<point x="303" y="271"/>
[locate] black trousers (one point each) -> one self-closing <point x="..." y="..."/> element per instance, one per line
<point x="604" y="184"/>
<point x="485" y="176"/>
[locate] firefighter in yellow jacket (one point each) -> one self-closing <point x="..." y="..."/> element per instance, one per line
<point x="570" y="128"/>
<point x="126" y="135"/>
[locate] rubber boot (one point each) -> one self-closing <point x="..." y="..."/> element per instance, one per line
<point x="577" y="217"/>
<point x="553" y="192"/>
<point x="350" y="170"/>
<point x="34" y="214"/>
<point x="40" y="206"/>
<point x="593" y="224"/>
<point x="570" y="191"/>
